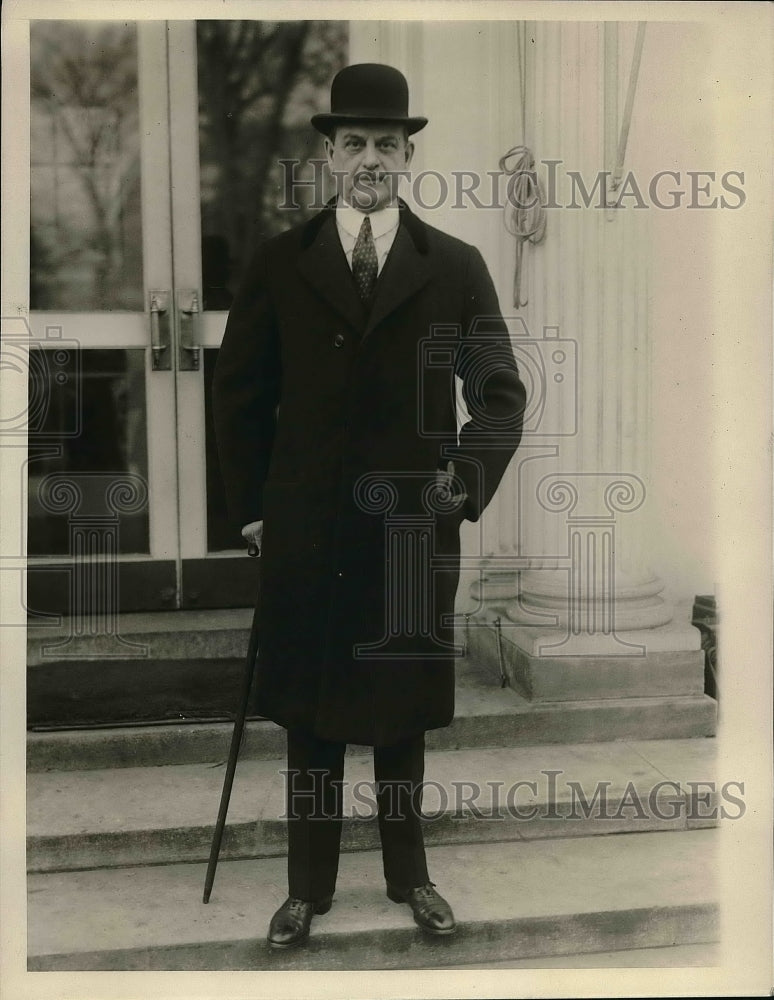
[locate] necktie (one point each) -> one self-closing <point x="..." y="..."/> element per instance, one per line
<point x="364" y="262"/>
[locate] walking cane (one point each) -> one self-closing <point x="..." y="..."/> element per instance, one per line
<point x="233" y="754"/>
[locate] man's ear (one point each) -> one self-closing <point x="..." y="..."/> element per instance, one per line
<point x="409" y="152"/>
<point x="328" y="146"/>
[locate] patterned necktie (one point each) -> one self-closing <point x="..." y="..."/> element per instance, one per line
<point x="364" y="262"/>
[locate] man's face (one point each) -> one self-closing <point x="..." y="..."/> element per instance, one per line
<point x="367" y="159"/>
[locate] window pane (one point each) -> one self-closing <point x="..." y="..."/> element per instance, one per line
<point x="86" y="236"/>
<point x="259" y="84"/>
<point x="88" y="452"/>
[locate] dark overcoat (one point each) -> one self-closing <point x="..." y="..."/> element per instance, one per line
<point x="332" y="420"/>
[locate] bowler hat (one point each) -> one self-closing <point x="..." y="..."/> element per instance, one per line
<point x="368" y="92"/>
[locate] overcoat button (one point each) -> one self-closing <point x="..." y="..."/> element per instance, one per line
<point x="338" y="340"/>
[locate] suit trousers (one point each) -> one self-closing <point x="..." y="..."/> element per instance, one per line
<point x="314" y="808"/>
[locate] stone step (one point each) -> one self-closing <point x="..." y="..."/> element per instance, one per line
<point x="170" y="667"/>
<point x="159" y="815"/>
<point x="174" y="635"/>
<point x="154" y="666"/>
<point x="518" y="899"/>
<point x="486" y="716"/>
<point x="684" y="956"/>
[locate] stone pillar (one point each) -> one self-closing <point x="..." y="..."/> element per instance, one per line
<point x="565" y="568"/>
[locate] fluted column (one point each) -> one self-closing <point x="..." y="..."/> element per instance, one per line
<point x="565" y="543"/>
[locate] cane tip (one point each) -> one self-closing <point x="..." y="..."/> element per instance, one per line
<point x="206" y="897"/>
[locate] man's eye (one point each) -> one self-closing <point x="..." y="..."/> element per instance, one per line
<point x="353" y="144"/>
<point x="387" y="145"/>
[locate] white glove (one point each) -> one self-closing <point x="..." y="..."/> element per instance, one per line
<point x="253" y="533"/>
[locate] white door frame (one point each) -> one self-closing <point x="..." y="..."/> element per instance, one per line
<point x="125" y="329"/>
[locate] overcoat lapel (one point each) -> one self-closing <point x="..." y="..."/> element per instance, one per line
<point x="406" y="270"/>
<point x="324" y="265"/>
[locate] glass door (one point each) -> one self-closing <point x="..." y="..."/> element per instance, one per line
<point x="102" y="480"/>
<point x="156" y="167"/>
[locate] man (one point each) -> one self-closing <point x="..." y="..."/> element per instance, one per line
<point x="338" y="441"/>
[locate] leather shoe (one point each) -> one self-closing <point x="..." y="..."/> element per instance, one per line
<point x="290" y="924"/>
<point x="431" y="911"/>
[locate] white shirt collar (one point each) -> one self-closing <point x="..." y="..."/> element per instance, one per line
<point x="384" y="220"/>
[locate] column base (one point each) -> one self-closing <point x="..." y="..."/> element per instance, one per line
<point x="545" y="665"/>
<point x="495" y="590"/>
<point x="604" y="626"/>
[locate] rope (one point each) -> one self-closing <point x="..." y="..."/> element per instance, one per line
<point x="525" y="216"/>
<point x="628" y="107"/>
<point x="521" y="65"/>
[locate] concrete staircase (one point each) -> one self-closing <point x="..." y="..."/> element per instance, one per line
<point x="605" y="846"/>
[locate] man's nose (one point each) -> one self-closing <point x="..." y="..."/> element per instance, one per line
<point x="370" y="155"/>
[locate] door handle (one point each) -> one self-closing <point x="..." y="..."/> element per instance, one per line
<point x="160" y="331"/>
<point x="189" y="317"/>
